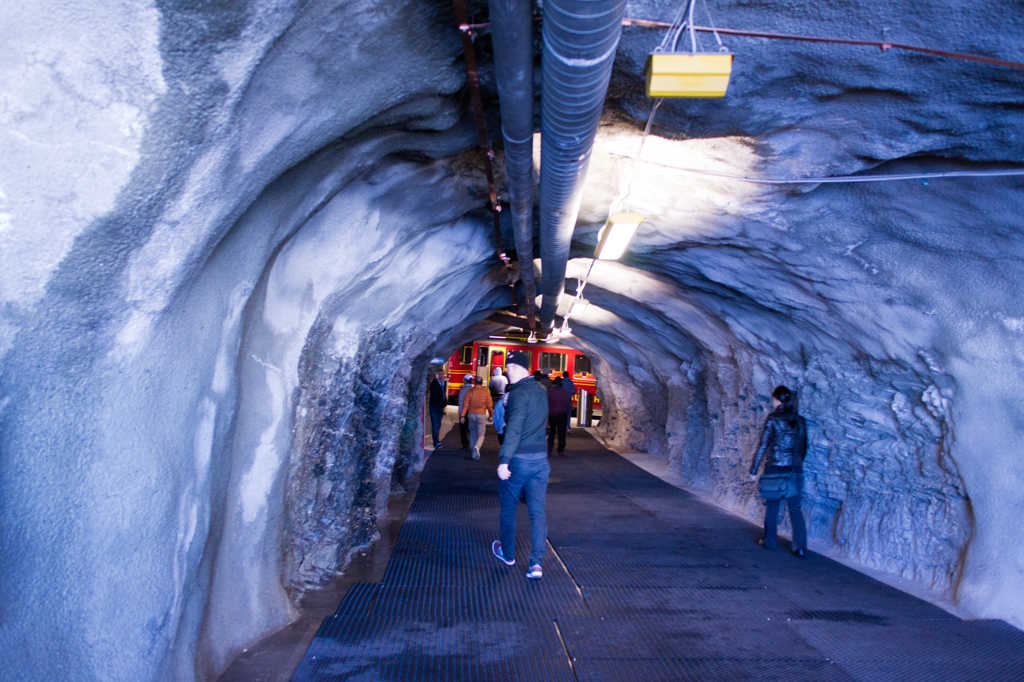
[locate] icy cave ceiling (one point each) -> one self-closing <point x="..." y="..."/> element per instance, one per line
<point x="233" y="234"/>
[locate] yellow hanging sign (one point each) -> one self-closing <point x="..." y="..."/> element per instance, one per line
<point x="694" y="75"/>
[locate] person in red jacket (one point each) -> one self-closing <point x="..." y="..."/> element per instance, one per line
<point x="559" y="407"/>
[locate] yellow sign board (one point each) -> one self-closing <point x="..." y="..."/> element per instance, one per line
<point x="688" y="75"/>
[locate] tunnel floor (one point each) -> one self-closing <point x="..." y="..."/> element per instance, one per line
<point x="642" y="581"/>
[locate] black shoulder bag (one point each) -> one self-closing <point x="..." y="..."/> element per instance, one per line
<point x="777" y="486"/>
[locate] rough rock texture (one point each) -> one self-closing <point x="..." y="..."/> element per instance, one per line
<point x="233" y="234"/>
<point x="888" y="305"/>
<point x="182" y="284"/>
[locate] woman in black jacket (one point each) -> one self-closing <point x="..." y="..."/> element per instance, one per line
<point x="783" y="446"/>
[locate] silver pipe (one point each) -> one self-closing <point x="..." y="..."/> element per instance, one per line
<point x="580" y="41"/>
<point x="512" y="36"/>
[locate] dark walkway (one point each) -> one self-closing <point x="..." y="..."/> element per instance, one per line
<point x="645" y="583"/>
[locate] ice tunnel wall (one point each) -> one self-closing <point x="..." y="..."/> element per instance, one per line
<point x="218" y="296"/>
<point x="232" y="236"/>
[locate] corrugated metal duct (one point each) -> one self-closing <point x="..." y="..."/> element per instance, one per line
<point x="512" y="36"/>
<point x="580" y="41"/>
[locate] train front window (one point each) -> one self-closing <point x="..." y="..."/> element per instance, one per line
<point x="553" y="361"/>
<point x="466" y="355"/>
<point x="581" y="365"/>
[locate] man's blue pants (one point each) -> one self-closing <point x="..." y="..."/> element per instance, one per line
<point x="436" y="415"/>
<point x="529" y="476"/>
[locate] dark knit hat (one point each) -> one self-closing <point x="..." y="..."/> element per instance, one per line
<point x="518" y="357"/>
<point x="558" y="381"/>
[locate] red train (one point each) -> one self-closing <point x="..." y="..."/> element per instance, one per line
<point x="481" y="357"/>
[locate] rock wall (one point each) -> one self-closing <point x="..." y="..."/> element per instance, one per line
<point x="232" y="236"/>
<point x="205" y="228"/>
<point x="866" y="301"/>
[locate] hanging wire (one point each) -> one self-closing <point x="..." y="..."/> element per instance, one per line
<point x="841" y="179"/>
<point x="672" y="35"/>
<point x="617" y="203"/>
<point x="627" y="184"/>
<point x="714" y="31"/>
<point x="679" y="26"/>
<point x="689" y="25"/>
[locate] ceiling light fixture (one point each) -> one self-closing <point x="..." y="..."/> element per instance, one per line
<point x="532" y="338"/>
<point x="616" y="234"/>
<point x="578" y="306"/>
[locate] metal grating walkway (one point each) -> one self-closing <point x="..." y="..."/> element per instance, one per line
<point x="642" y="582"/>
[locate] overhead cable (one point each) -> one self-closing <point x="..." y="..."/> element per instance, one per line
<point x="646" y="23"/>
<point x="884" y="46"/>
<point x="837" y="179"/>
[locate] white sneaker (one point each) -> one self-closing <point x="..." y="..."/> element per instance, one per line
<point x="535" y="572"/>
<point x="496" y="549"/>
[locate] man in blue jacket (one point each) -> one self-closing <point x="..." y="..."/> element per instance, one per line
<point x="523" y="463"/>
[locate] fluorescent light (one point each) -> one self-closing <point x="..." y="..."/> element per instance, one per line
<point x="578" y="307"/>
<point x="497" y="337"/>
<point x="614" y="237"/>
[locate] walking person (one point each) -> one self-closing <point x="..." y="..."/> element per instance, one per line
<point x="568" y="384"/>
<point x="523" y="464"/>
<point x="559" y="406"/>
<point x="437" y="402"/>
<point x="783" y="447"/>
<point x="570" y="387"/>
<point x="467" y="383"/>
<point x="476" y="408"/>
<point x="499" y="417"/>
<point x="498" y="384"/>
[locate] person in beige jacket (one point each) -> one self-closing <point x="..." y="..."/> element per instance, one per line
<point x="477" y="406"/>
